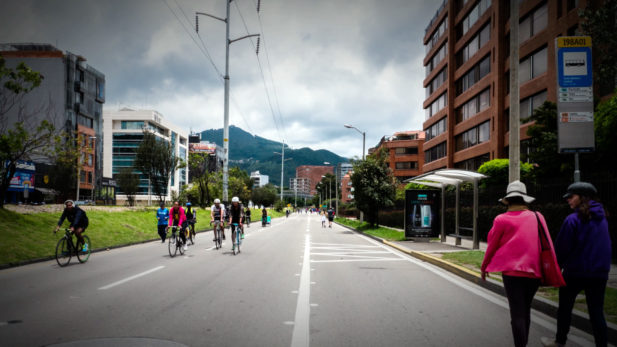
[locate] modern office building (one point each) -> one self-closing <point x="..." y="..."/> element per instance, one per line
<point x="71" y="97"/>
<point x="259" y="180"/>
<point x="313" y="173"/>
<point x="467" y="75"/>
<point x="123" y="133"/>
<point x="404" y="153"/>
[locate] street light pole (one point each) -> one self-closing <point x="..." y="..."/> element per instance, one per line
<point x="228" y="42"/>
<point x="363" y="147"/>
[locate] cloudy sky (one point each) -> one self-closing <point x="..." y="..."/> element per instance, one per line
<point x="322" y="63"/>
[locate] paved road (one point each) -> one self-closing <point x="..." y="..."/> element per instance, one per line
<point x="294" y="284"/>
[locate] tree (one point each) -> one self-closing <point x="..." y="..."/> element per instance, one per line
<point x="239" y="181"/>
<point x="324" y="187"/>
<point x="374" y="187"/>
<point x="19" y="141"/>
<point x="605" y="123"/>
<point x="497" y="171"/>
<point x="199" y="164"/>
<point x="265" y="195"/>
<point x="543" y="142"/>
<point x="155" y="159"/>
<point x="67" y="159"/>
<point x="128" y="183"/>
<point x="601" y="24"/>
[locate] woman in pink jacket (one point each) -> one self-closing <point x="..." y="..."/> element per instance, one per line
<point x="514" y="250"/>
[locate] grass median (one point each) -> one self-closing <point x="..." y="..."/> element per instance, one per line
<point x="30" y="236"/>
<point x="379" y="231"/>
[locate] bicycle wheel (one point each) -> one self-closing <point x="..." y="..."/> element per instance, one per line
<point x="172" y="246"/>
<point x="82" y="255"/>
<point x="63" y="252"/>
<point x="238" y="233"/>
<point x="217" y="237"/>
<point x="179" y="245"/>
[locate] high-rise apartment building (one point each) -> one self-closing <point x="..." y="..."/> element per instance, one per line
<point x="403" y="152"/>
<point x="123" y="131"/>
<point x="312" y="174"/>
<point x="467" y="75"/>
<point x="71" y="97"/>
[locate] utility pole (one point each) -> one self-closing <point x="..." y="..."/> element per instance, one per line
<point x="515" y="124"/>
<point x="282" y="166"/>
<point x="228" y="42"/>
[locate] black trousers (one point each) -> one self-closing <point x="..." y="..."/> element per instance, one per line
<point x="594" y="295"/>
<point x="520" y="292"/>
<point x="162" y="231"/>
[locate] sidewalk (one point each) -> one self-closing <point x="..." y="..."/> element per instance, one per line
<point x="427" y="251"/>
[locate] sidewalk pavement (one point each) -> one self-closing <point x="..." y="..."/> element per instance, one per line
<point x="426" y="251"/>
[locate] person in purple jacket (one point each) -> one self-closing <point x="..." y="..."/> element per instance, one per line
<point x="583" y="248"/>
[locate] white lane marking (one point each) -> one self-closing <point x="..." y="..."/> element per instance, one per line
<point x="483" y="293"/>
<point x="300" y="337"/>
<point x="355" y="260"/>
<point x="131" y="278"/>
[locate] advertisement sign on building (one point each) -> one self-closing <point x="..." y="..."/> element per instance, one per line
<point x="209" y="148"/>
<point x="23" y="179"/>
<point x="574" y="94"/>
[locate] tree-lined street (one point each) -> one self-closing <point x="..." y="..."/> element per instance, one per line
<point x="294" y="284"/>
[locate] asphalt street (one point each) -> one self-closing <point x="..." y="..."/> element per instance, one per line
<point x="294" y="284"/>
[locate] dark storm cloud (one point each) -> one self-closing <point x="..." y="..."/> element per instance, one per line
<point x="332" y="62"/>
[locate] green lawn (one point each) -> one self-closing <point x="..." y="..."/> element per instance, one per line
<point x="384" y="233"/>
<point x="31" y="236"/>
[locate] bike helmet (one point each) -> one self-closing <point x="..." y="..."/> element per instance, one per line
<point x="217" y="201"/>
<point x="188" y="204"/>
<point x="71" y="201"/>
<point x="235" y="199"/>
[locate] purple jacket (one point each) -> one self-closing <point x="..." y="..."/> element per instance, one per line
<point x="584" y="247"/>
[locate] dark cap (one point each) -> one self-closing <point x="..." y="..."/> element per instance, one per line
<point x="582" y="189"/>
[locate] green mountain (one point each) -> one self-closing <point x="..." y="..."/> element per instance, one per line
<point x="255" y="153"/>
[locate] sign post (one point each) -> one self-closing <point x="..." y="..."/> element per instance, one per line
<point x="574" y="97"/>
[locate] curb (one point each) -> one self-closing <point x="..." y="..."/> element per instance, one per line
<point x="580" y="320"/>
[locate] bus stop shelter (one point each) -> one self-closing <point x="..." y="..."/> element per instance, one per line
<point x="454" y="177"/>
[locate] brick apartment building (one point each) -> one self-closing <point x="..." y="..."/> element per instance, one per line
<point x="404" y="150"/>
<point x="346" y="189"/>
<point x="313" y="173"/>
<point x="467" y="75"/>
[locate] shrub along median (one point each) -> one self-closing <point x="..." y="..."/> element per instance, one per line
<point x="30" y="236"/>
<point x="379" y="231"/>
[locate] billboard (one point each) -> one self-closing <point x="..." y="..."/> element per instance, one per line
<point x="23" y="179"/>
<point x="209" y="148"/>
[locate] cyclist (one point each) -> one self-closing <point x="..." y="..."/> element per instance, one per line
<point x="235" y="216"/>
<point x="78" y="219"/>
<point x="264" y="217"/>
<point x="191" y="217"/>
<point x="162" y="215"/>
<point x="217" y="216"/>
<point x="177" y="218"/>
<point x="247" y="217"/>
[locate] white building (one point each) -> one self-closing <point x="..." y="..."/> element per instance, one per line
<point x="122" y="134"/>
<point x="259" y="179"/>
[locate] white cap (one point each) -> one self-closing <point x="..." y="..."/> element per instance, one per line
<point x="217" y="201"/>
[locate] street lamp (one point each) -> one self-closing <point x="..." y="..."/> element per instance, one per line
<point x="363" y="137"/>
<point x="335" y="186"/>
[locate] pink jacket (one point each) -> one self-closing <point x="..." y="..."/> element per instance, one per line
<point x="514" y="246"/>
<point x="181" y="216"/>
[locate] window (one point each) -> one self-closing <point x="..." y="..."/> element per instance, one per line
<point x="435" y="153"/>
<point x="437" y="58"/>
<point x="437" y="82"/>
<point x="436" y="106"/>
<point x="472" y="107"/>
<point x="532" y="66"/>
<point x="90" y="177"/>
<point x="90" y="159"/>
<point x="432" y="41"/>
<point x="472" y="164"/>
<point x="474" y="45"/>
<point x="405" y="150"/>
<point x="534" y="23"/>
<point x="529" y="104"/>
<point x="436" y="129"/>
<point x="85" y="121"/>
<point x="572" y="4"/>
<point x="472" y="17"/>
<point x="132" y="124"/>
<point x="473" y="136"/>
<point x="475" y="74"/>
<point x="406" y="165"/>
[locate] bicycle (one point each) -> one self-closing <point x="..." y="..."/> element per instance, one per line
<point x="66" y="248"/>
<point x="175" y="243"/>
<point x="218" y="234"/>
<point x="237" y="241"/>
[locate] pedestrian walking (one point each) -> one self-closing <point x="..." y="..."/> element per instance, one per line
<point x="513" y="249"/>
<point x="583" y="248"/>
<point x="162" y="217"/>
